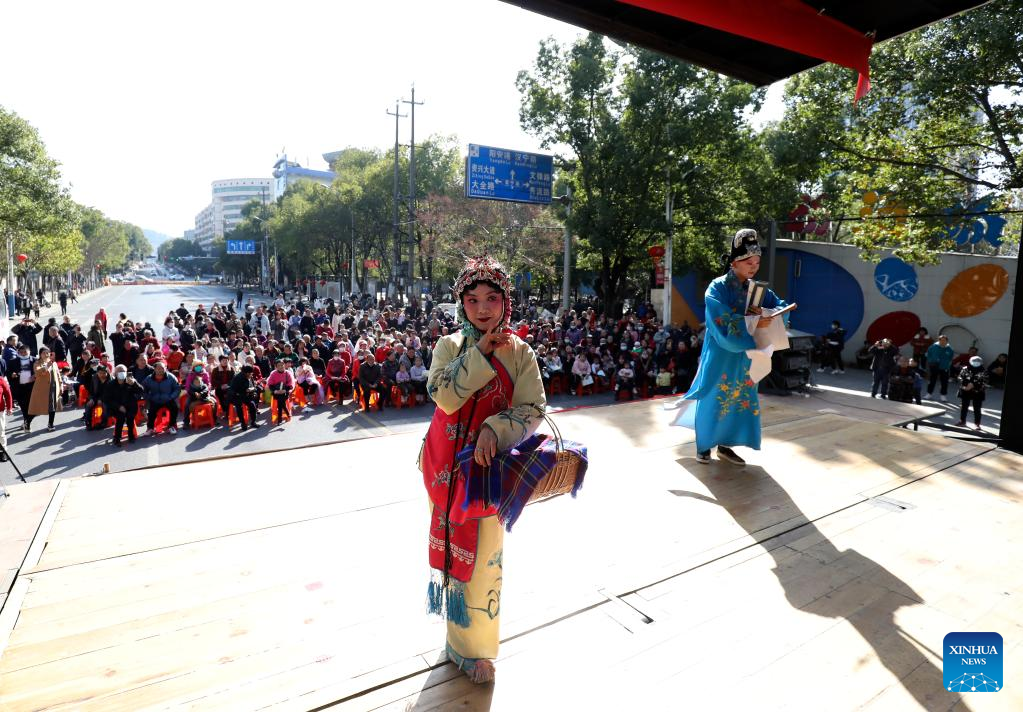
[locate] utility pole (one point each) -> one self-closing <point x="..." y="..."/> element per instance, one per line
<point x="669" y="218"/>
<point x="351" y="214"/>
<point x="412" y="192"/>
<point x="567" y="264"/>
<point x="396" y="265"/>
<point x="264" y="255"/>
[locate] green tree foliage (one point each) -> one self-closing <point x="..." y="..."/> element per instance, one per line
<point x="311" y="226"/>
<point x="634" y="123"/>
<point x="174" y="250"/>
<point x="139" y="247"/>
<point x="455" y="227"/>
<point x="109" y="242"/>
<point x="34" y="209"/>
<point x="941" y="126"/>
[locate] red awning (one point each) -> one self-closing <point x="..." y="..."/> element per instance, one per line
<point x="788" y="24"/>
<point x="759" y="41"/>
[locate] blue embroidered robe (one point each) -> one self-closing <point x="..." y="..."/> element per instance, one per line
<point x="727" y="409"/>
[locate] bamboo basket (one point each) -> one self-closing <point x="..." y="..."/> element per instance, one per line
<point x="562" y="477"/>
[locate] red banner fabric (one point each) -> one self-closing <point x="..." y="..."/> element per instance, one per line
<point x="789" y="24"/>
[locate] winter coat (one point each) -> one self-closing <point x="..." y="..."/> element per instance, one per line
<point x="975" y="377"/>
<point x="45" y="390"/>
<point x="117" y="394"/>
<point x="160" y="392"/>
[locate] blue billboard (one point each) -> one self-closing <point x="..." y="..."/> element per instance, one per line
<point x="241" y="247"/>
<point x="501" y="174"/>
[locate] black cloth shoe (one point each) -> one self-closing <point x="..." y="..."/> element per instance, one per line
<point x="728" y="455"/>
<point x="703" y="457"/>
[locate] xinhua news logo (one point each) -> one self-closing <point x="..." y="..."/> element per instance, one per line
<point x="972" y="662"/>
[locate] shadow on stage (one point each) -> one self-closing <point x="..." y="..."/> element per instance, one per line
<point x="875" y="622"/>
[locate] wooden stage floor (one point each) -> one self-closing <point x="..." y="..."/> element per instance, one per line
<point x="822" y="576"/>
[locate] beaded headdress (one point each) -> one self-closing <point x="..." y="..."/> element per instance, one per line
<point x="482" y="269"/>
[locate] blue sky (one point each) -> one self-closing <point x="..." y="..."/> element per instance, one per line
<point x="145" y="104"/>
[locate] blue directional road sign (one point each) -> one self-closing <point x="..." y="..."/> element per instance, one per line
<point x="241" y="247"/>
<point x="501" y="174"/>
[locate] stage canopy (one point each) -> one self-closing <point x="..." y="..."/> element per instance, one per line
<point x="759" y="41"/>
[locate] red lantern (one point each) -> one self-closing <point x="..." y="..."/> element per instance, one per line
<point x="656" y="251"/>
<point x="22" y="257"/>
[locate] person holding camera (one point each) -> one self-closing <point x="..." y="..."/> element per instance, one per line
<point x="884" y="355"/>
<point x="121" y="399"/>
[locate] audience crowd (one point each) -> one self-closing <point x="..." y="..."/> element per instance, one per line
<point x="204" y="366"/>
<point x="208" y="365"/>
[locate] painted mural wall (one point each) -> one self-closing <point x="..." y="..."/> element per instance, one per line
<point x="968" y="297"/>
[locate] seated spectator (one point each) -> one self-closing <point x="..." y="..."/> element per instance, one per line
<point x="306" y="379"/>
<point x="419" y="375"/>
<point x="337" y="378"/>
<point x="141" y="370"/>
<point x="403" y="380"/>
<point x="121" y="398"/>
<point x="244" y="396"/>
<point x="280" y="383"/>
<point x="371" y="379"/>
<point x="162" y="390"/>
<point x="581" y="375"/>
<point x="220" y="382"/>
<point x="69" y="387"/>
<point x="198" y="390"/>
<point x="902" y="382"/>
<point x="319" y="366"/>
<point x="95" y="386"/>
<point x="996" y="371"/>
<point x="625" y="377"/>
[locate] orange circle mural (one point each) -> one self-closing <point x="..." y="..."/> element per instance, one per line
<point x="975" y="290"/>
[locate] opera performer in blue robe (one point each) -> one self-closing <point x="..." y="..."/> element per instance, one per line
<point x="722" y="403"/>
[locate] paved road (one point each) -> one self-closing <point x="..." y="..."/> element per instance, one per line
<point x="71" y="451"/>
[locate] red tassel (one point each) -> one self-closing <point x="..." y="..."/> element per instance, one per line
<point x="862" y="86"/>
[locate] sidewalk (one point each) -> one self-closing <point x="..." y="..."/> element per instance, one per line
<point x="830" y="568"/>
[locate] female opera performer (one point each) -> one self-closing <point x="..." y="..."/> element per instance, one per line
<point x="725" y="409"/>
<point x="488" y="391"/>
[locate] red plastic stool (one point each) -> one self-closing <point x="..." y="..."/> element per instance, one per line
<point x="398" y="399"/>
<point x="273" y="412"/>
<point x="374" y="401"/>
<point x="232" y="416"/>
<point x="162" y="420"/>
<point x="202" y="415"/>
<point x="99" y="419"/>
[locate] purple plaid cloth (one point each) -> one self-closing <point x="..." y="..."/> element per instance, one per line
<point x="514" y="475"/>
